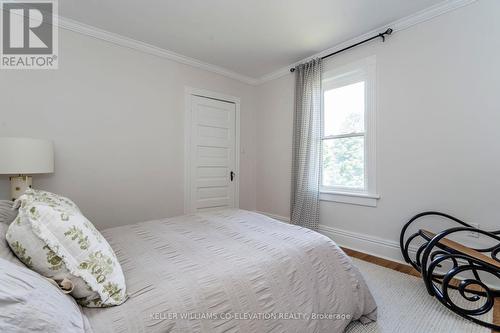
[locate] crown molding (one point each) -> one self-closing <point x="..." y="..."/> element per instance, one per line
<point x="130" y="43"/>
<point x="397" y="26"/>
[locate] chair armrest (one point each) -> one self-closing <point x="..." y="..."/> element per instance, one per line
<point x="405" y="240"/>
<point x="437" y="242"/>
<point x="455" y="246"/>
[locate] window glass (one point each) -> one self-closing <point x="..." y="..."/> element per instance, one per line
<point x="344" y="109"/>
<point x="344" y="162"/>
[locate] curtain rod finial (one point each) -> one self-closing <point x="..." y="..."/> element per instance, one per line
<point x="292" y="70"/>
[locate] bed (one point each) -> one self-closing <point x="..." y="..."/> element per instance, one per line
<point x="232" y="271"/>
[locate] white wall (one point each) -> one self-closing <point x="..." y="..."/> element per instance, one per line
<point x="438" y="143"/>
<point x="115" y="116"/>
<point x="274" y="145"/>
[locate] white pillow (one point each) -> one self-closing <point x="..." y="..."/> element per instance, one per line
<point x="7" y="212"/>
<point x="30" y="303"/>
<point x="5" y="251"/>
<point x="52" y="237"/>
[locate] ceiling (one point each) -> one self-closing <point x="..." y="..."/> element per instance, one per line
<point x="253" y="37"/>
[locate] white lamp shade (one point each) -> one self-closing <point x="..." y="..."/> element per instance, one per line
<point x="26" y="156"/>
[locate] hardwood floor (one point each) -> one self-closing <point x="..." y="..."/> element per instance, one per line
<point x="407" y="270"/>
<point x="382" y="262"/>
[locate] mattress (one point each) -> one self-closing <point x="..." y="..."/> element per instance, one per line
<point x="232" y="271"/>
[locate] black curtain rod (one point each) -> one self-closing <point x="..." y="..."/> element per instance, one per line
<point x="382" y="35"/>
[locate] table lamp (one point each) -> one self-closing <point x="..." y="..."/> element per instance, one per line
<point x="23" y="157"/>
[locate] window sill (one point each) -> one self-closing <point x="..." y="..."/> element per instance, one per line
<point x="361" y="199"/>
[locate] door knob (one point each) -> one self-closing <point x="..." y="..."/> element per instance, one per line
<point x="231" y="175"/>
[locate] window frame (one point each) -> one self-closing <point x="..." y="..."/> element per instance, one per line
<point x="362" y="70"/>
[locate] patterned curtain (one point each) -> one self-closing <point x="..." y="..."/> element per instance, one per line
<point x="306" y="145"/>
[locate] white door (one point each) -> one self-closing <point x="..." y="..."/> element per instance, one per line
<point x="212" y="149"/>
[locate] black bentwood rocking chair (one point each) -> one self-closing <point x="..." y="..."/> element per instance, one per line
<point x="463" y="278"/>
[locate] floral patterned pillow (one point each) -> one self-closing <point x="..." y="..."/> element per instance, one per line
<point x="51" y="199"/>
<point x="51" y="236"/>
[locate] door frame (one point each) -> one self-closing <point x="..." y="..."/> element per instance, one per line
<point x="188" y="92"/>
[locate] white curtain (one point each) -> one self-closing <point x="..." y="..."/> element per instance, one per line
<point x="306" y="145"/>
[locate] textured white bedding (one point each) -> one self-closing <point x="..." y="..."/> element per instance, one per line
<point x="232" y="271"/>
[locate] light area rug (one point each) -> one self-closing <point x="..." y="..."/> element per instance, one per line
<point x="404" y="306"/>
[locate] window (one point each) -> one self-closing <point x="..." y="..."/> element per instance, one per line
<point x="348" y="134"/>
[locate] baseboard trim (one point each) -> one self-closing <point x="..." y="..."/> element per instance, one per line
<point x="382" y="248"/>
<point x="379" y="247"/>
<point x="274" y="216"/>
<point x="367" y="244"/>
